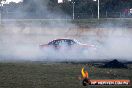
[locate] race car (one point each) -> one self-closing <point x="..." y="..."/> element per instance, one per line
<point x="67" y="44"/>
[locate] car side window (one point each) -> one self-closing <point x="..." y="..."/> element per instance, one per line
<point x="61" y="43"/>
<point x="56" y="42"/>
<point x="70" y="42"/>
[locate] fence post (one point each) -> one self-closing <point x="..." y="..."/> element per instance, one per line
<point x="106" y="14"/>
<point x="0" y="18"/>
<point x="92" y="15"/>
<point x="120" y="14"/>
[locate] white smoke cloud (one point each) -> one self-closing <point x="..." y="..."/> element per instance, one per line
<point x="111" y="45"/>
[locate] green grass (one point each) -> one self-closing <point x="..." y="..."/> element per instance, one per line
<point x="94" y="22"/>
<point x="40" y="75"/>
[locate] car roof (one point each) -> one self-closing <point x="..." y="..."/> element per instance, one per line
<point x="63" y="39"/>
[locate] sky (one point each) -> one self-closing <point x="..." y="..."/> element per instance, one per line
<point x="61" y="1"/>
<point x="8" y="1"/>
<point x="13" y="1"/>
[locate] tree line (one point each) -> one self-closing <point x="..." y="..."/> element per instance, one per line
<point x="87" y="6"/>
<point x="43" y="7"/>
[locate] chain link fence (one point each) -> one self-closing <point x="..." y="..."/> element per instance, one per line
<point x="20" y="15"/>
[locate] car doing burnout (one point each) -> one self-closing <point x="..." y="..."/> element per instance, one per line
<point x="67" y="45"/>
